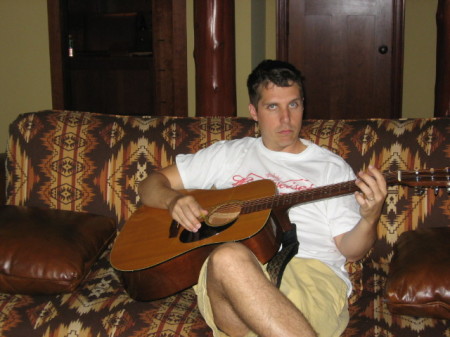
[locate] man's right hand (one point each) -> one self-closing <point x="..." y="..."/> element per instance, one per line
<point x="187" y="212"/>
<point x="161" y="190"/>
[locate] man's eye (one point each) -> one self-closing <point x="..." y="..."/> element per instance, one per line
<point x="293" y="105"/>
<point x="272" y="106"/>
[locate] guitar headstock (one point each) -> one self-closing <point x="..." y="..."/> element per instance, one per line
<point x="437" y="178"/>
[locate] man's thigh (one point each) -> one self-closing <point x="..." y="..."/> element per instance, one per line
<point x="318" y="293"/>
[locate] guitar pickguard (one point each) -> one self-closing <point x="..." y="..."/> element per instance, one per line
<point x="204" y="232"/>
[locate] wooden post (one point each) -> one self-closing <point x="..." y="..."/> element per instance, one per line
<point x="214" y="54"/>
<point x="442" y="88"/>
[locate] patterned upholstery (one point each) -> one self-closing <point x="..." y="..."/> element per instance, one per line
<point x="93" y="163"/>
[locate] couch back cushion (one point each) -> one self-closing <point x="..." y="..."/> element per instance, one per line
<point x="92" y="162"/>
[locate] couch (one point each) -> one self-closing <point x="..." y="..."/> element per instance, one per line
<point x="93" y="163"/>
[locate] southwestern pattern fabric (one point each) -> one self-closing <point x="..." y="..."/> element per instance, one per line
<point x="93" y="163"/>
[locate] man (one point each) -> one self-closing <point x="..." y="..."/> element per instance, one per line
<point x="235" y="295"/>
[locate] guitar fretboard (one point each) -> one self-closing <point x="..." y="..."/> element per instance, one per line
<point x="283" y="201"/>
<point x="427" y="178"/>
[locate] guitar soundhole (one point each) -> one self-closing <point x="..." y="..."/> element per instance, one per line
<point x="204" y="232"/>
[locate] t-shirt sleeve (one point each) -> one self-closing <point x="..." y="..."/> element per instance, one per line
<point x="343" y="211"/>
<point x="203" y="169"/>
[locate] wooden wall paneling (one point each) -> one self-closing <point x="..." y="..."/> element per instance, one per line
<point x="169" y="45"/>
<point x="180" y="72"/>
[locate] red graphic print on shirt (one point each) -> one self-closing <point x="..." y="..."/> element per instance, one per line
<point x="283" y="186"/>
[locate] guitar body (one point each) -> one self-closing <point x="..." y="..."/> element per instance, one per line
<point x="158" y="259"/>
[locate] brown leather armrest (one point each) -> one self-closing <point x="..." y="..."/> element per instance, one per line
<point x="418" y="283"/>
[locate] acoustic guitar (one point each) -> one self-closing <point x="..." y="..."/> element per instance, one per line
<point x="172" y="257"/>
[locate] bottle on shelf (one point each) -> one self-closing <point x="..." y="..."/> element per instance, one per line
<point x="71" y="49"/>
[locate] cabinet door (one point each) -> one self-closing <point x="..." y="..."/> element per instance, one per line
<point x="350" y="53"/>
<point x="105" y="85"/>
<point x="121" y="57"/>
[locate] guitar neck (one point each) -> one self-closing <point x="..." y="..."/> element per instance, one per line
<point x="285" y="201"/>
<point x="418" y="178"/>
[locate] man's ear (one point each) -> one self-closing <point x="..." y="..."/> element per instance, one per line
<point x="253" y="112"/>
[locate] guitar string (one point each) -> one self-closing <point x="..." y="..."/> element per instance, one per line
<point x="253" y="205"/>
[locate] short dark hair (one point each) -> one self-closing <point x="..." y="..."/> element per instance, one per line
<point x="280" y="73"/>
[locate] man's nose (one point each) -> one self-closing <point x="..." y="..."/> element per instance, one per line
<point x="285" y="115"/>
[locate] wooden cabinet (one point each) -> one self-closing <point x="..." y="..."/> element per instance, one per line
<point x="111" y="84"/>
<point x="122" y="57"/>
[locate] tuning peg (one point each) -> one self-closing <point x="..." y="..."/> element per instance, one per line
<point x="436" y="190"/>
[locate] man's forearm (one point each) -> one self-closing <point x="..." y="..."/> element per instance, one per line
<point x="156" y="191"/>
<point x="356" y="243"/>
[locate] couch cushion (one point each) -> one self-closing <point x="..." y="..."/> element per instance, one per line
<point x="45" y="251"/>
<point x="418" y="283"/>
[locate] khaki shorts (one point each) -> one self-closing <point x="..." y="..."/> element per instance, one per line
<point x="311" y="285"/>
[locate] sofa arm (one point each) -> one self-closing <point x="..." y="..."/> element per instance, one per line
<point x="2" y="178"/>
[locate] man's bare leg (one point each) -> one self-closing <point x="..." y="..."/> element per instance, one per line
<point x="243" y="299"/>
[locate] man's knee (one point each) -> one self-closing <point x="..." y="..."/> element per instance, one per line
<point x="230" y="255"/>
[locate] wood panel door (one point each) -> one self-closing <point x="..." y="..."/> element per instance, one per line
<point x="350" y="54"/>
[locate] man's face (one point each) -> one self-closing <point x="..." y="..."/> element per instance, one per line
<point x="279" y="115"/>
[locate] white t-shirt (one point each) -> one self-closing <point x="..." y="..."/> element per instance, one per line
<point x="227" y="164"/>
